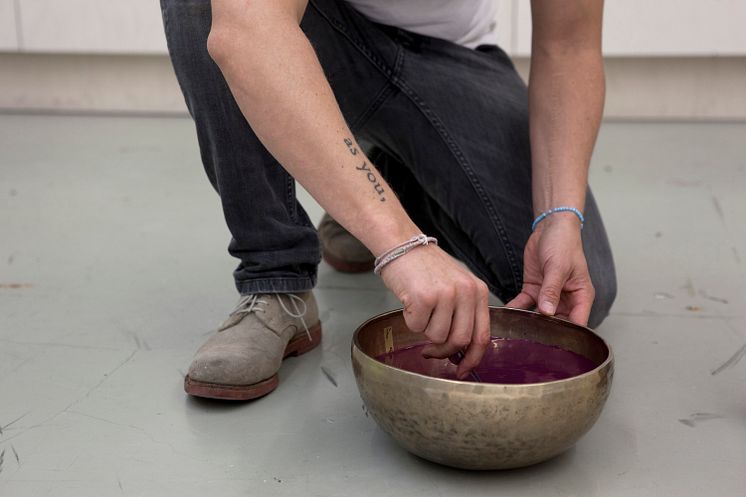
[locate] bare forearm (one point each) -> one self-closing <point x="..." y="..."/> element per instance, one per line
<point x="279" y="85"/>
<point x="566" y="97"/>
<point x="566" y="104"/>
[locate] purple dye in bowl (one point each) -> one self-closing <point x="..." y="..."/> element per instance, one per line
<point x="506" y="361"/>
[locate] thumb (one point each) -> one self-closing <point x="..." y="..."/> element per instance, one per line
<point x="551" y="289"/>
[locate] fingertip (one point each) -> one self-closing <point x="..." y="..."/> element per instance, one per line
<point x="580" y="315"/>
<point x="547" y="307"/>
<point x="463" y="372"/>
<point x="521" y="301"/>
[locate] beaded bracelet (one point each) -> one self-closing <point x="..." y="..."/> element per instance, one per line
<point x="544" y="214"/>
<point x="401" y="249"/>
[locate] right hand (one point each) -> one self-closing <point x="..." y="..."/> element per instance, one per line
<point x="443" y="300"/>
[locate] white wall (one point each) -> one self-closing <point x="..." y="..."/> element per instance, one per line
<point x="680" y="59"/>
<point x="91" y="26"/>
<point x="632" y="27"/>
<point x="8" y="34"/>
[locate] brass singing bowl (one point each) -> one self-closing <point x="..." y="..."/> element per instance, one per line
<point x="482" y="425"/>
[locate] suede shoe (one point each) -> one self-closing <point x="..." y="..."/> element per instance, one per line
<point x="342" y="251"/>
<point x="240" y="361"/>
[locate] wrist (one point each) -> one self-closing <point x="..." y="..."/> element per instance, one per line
<point x="559" y="215"/>
<point x="563" y="219"/>
<point x="401" y="250"/>
<point x="570" y="194"/>
<point x="380" y="235"/>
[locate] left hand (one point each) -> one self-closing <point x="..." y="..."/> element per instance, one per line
<point x="555" y="272"/>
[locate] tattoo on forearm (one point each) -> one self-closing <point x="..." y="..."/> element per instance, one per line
<point x="367" y="170"/>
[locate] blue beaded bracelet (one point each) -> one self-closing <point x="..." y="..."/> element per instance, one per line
<point x="544" y="214"/>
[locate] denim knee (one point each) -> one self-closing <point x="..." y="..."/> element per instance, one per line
<point x="606" y="289"/>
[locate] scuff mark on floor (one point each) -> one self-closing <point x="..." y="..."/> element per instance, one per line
<point x="141" y="344"/>
<point x="698" y="417"/>
<point x="732" y="361"/>
<point x="718" y="209"/>
<point x="689" y="287"/>
<point x="706" y="295"/>
<point x="69" y="407"/>
<point x="16" y="286"/>
<point x="139" y="429"/>
<point x="57" y="344"/>
<point x="329" y="376"/>
<point x="736" y="255"/>
<point x="684" y="183"/>
<point x="663" y="296"/>
<point x="5" y="427"/>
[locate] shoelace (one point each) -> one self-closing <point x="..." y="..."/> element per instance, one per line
<point x="252" y="303"/>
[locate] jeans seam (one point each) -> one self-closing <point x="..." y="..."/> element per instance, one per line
<point x="291" y="198"/>
<point x="437" y="124"/>
<point x="364" y="50"/>
<point x="383" y="94"/>
<point x="498" y="291"/>
<point x="270" y="282"/>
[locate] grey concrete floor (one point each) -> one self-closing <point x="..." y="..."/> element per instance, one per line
<point x="113" y="268"/>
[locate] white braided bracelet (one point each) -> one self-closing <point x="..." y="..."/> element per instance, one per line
<point x="392" y="254"/>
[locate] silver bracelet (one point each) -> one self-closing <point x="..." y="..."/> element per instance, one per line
<point x="394" y="253"/>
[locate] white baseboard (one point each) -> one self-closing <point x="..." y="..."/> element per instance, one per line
<point x="696" y="88"/>
<point x="136" y="84"/>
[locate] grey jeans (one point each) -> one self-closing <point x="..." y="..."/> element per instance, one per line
<point x="449" y="130"/>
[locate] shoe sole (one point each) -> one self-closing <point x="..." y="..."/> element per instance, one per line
<point x="344" y="266"/>
<point x="298" y="345"/>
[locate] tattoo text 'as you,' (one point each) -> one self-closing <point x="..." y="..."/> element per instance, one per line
<point x="370" y="174"/>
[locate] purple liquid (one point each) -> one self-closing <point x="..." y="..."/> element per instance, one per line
<point x="506" y="361"/>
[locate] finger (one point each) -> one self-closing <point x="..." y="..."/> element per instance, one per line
<point x="480" y="339"/>
<point x="417" y="313"/>
<point x="522" y="301"/>
<point x="582" y="310"/>
<point x="440" y="322"/>
<point x="462" y="324"/>
<point x="551" y="289"/>
<point x="459" y="334"/>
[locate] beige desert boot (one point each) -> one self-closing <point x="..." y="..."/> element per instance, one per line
<point x="240" y="361"/>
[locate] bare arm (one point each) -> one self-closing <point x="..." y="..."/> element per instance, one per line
<point x="566" y="95"/>
<point x="280" y="87"/>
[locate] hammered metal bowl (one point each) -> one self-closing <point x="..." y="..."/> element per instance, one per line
<point x="482" y="425"/>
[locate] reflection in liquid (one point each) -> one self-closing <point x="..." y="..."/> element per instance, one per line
<point x="507" y="361"/>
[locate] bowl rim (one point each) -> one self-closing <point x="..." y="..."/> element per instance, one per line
<point x="604" y="365"/>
